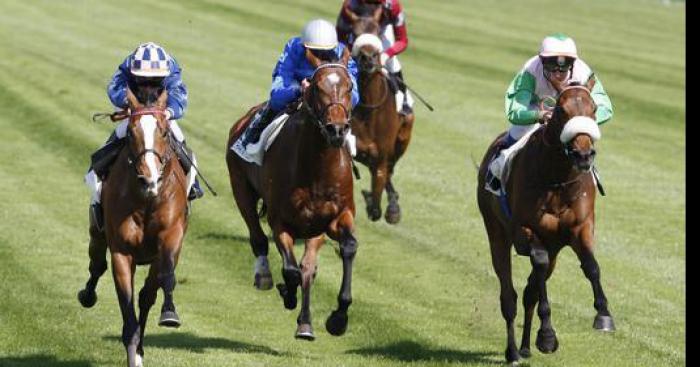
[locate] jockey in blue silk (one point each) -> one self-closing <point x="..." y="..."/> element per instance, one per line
<point x="149" y="68"/>
<point x="290" y="76"/>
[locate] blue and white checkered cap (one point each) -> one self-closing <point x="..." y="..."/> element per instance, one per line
<point x="150" y="60"/>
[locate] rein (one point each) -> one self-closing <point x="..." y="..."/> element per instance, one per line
<point x="385" y="89"/>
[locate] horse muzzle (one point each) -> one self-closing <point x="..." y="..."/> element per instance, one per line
<point x="582" y="159"/>
<point x="149" y="187"/>
<point x="335" y="133"/>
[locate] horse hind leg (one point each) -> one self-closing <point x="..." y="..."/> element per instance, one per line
<point x="98" y="265"/>
<point x="374" y="199"/>
<point x="308" y="273"/>
<point x="393" y="210"/>
<point x="290" y="269"/>
<point x="123" y="273"/>
<point x="337" y="322"/>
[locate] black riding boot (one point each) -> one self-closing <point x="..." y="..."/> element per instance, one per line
<point x="259" y="123"/>
<point x="405" y="108"/>
<point x="184" y="156"/>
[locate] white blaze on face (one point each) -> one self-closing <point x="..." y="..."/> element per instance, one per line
<point x="148" y="125"/>
<point x="333" y="78"/>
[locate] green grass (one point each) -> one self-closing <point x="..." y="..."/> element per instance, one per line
<point x="424" y="291"/>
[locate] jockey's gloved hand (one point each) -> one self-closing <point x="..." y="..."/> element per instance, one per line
<point x="168" y="115"/>
<point x="544" y="116"/>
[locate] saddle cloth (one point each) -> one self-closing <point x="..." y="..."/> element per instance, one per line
<point x="500" y="166"/>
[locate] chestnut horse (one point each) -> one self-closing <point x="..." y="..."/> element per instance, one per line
<point x="551" y="195"/>
<point x="145" y="210"/>
<point x="382" y="133"/>
<point x="305" y="183"/>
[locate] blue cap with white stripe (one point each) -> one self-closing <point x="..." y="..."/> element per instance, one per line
<point x="150" y="60"/>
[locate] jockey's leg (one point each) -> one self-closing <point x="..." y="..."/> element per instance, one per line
<point x="394" y="67"/>
<point x="188" y="161"/>
<point x="260" y="121"/>
<point x="100" y="162"/>
<point x="493" y="181"/>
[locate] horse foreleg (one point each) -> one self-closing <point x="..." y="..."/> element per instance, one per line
<point x="583" y="247"/>
<point x="546" y="336"/>
<point x="98" y="265"/>
<point x="123" y="271"/>
<point x="404" y="136"/>
<point x="374" y="200"/>
<point x="169" y="245"/>
<point x="308" y="273"/>
<point x="337" y="322"/>
<point x="530" y="297"/>
<point x="290" y="270"/>
<point x="393" y="210"/>
<point x="147" y="297"/>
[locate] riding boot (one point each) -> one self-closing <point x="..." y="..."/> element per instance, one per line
<point x="103" y="158"/>
<point x="186" y="159"/>
<point x="259" y="123"/>
<point x="493" y="183"/>
<point x="97" y="216"/>
<point x="406" y="109"/>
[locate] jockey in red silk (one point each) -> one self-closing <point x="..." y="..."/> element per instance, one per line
<point x="146" y="71"/>
<point x="393" y="34"/>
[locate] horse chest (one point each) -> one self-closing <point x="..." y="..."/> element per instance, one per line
<point x="315" y="205"/>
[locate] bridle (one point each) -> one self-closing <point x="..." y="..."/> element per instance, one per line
<point x="376" y="68"/>
<point x="134" y="157"/>
<point x="320" y="116"/>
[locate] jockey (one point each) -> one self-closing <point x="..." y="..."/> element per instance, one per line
<point x="148" y="67"/>
<point x="392" y="33"/>
<point x="290" y="76"/>
<point x="543" y="77"/>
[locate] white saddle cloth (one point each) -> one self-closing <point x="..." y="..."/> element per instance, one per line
<point x="254" y="153"/>
<point x="500" y="167"/>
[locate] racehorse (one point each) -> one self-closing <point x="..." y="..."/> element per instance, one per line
<point x="382" y="133"/>
<point x="550" y="204"/>
<point x="305" y="183"/>
<point x="145" y="209"/>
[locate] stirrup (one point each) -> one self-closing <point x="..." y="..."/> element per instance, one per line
<point x="196" y="191"/>
<point x="493" y="184"/>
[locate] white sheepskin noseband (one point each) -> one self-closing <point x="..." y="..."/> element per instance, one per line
<point x="579" y="125"/>
<point x="364" y="40"/>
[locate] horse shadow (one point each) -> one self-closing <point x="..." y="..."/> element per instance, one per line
<point x="42" y="360"/>
<point x="218" y="236"/>
<point x="411" y="351"/>
<point x="199" y="344"/>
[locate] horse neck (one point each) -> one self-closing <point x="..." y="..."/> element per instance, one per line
<point x="553" y="166"/>
<point x="374" y="88"/>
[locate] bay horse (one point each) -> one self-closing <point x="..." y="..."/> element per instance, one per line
<point x="550" y="195"/>
<point x="305" y="183"/>
<point x="382" y="133"/>
<point x="145" y="219"/>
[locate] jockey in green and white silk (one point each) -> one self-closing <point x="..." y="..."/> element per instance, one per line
<point x="542" y="77"/>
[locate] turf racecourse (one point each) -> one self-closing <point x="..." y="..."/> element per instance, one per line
<point x="424" y="291"/>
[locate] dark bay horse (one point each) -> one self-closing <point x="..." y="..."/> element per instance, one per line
<point x="145" y="209"/>
<point x="551" y="196"/>
<point x="382" y="133"/>
<point x="305" y="182"/>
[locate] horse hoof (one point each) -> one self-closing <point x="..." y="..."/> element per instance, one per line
<point x="263" y="281"/>
<point x="547" y="341"/>
<point x="512" y="356"/>
<point x="86" y="298"/>
<point x="393" y="214"/>
<point x="337" y="323"/>
<point x="289" y="298"/>
<point x="604" y="323"/>
<point x="169" y="319"/>
<point x="305" y="332"/>
<point x="525" y="352"/>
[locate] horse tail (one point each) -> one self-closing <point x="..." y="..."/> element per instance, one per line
<point x="263" y="210"/>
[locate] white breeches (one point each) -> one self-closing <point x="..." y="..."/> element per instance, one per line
<point x="387" y="37"/>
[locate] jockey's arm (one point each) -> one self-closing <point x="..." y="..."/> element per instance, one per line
<point x="285" y="88"/>
<point x="604" y="112"/>
<point x="116" y="89"/>
<point x="352" y="69"/>
<point x="400" y="32"/>
<point x="519" y="98"/>
<point x="177" y="92"/>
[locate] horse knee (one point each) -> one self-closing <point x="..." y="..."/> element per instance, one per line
<point x="167" y="281"/>
<point x="348" y="248"/>
<point x="146" y="298"/>
<point x="97" y="268"/>
<point x="539" y="259"/>
<point x="509" y="307"/>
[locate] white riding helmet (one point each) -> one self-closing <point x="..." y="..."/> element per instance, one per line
<point x="150" y="60"/>
<point x="558" y="44"/>
<point x="319" y="34"/>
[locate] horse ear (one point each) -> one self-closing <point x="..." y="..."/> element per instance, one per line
<point x="590" y="83"/>
<point x="378" y="14"/>
<point x="162" y="99"/>
<point x="131" y="99"/>
<point x="315" y="61"/>
<point x="346" y="56"/>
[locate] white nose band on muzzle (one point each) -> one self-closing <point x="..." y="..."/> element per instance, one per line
<point x="580" y="125"/>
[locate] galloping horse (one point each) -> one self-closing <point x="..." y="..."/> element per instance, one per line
<point x="551" y="195"/>
<point x="382" y="133"/>
<point x="145" y="210"/>
<point x="305" y="183"/>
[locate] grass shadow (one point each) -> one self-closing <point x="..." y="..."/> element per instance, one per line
<point x="40" y="360"/>
<point x="411" y="351"/>
<point x="199" y="344"/>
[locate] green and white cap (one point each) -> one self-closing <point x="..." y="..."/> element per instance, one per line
<point x="558" y="44"/>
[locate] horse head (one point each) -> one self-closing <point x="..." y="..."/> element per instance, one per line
<point x="366" y="51"/>
<point x="573" y="124"/>
<point x="329" y="97"/>
<point x="147" y="141"/>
